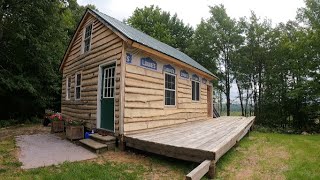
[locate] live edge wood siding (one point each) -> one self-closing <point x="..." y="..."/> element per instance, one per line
<point x="144" y="101"/>
<point x="106" y="46"/>
<point x="141" y="97"/>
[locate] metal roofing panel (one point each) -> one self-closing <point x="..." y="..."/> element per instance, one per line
<point x="149" y="41"/>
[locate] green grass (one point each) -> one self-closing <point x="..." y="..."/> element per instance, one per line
<point x="265" y="155"/>
<point x="259" y="156"/>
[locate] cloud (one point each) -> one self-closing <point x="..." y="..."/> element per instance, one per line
<point x="192" y="11"/>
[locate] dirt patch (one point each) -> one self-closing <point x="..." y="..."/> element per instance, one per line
<point x="154" y="170"/>
<point x="261" y="160"/>
<point x="23" y="130"/>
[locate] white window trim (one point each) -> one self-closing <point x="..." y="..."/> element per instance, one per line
<point x="175" y="90"/>
<point x="199" y="91"/>
<point x="75" y="86"/>
<point x="114" y="82"/>
<point x="84" y="38"/>
<point x="68" y="90"/>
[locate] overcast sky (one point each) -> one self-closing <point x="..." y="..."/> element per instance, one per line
<point x="192" y="11"/>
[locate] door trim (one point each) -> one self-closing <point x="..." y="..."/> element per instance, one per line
<point x="98" y="119"/>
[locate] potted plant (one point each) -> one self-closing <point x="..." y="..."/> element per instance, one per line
<point x="57" y="123"/>
<point x="74" y="129"/>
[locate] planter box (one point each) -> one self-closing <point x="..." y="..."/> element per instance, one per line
<point x="74" y="132"/>
<point x="57" y="126"/>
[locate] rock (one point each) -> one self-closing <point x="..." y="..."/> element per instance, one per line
<point x="304" y="133"/>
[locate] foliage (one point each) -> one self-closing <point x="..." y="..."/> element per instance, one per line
<point x="162" y="26"/>
<point x="276" y="69"/>
<point x="33" y="38"/>
<point x="75" y="122"/>
<point x="55" y="117"/>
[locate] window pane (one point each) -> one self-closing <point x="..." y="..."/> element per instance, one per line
<point x="111" y="92"/>
<point x="112" y="82"/>
<point x="197" y="91"/>
<point x="169" y="97"/>
<point x="69" y="82"/>
<point x="78" y="83"/>
<point x="193" y="90"/>
<point x="113" y="69"/>
<point x="77" y="92"/>
<point x="105" y="92"/>
<point x="88" y="31"/>
<point x="170" y="82"/>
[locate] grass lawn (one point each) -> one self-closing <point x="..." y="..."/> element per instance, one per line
<point x="259" y="156"/>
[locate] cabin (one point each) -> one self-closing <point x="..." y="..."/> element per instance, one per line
<point x="126" y="84"/>
<point x="120" y="80"/>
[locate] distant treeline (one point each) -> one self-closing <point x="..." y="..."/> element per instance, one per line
<point x="276" y="69"/>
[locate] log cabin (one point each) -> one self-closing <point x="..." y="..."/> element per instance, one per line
<point x="120" y="80"/>
<point x="130" y="87"/>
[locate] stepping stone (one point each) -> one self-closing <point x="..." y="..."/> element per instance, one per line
<point x="103" y="139"/>
<point x="94" y="145"/>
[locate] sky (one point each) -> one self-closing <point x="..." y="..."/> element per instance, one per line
<point x="191" y="12"/>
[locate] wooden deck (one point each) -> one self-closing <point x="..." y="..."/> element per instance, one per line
<point x="194" y="141"/>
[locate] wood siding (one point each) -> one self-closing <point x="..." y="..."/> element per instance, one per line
<point x="106" y="46"/>
<point x="144" y="101"/>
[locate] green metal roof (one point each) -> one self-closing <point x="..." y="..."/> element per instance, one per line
<point x="142" y="38"/>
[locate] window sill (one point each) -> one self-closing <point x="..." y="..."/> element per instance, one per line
<point x="170" y="106"/>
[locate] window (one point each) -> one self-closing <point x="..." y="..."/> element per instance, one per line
<point x="195" y="91"/>
<point x="68" y="88"/>
<point x="109" y="81"/>
<point x="170" y="89"/>
<point x="78" y="86"/>
<point x="87" y="38"/>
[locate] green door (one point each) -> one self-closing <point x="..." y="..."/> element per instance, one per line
<point x="107" y="98"/>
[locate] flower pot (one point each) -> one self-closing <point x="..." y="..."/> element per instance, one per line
<point x="74" y="132"/>
<point x="57" y="126"/>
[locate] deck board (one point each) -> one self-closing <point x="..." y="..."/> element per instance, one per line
<point x="193" y="141"/>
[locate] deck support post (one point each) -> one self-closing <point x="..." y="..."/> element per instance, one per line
<point x="212" y="170"/>
<point x="122" y="143"/>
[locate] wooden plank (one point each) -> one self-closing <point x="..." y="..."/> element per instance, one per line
<point x="199" y="171"/>
<point x="187" y="154"/>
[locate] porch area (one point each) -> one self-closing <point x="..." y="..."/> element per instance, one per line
<point x="195" y="141"/>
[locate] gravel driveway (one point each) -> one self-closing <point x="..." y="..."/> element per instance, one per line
<point x="48" y="149"/>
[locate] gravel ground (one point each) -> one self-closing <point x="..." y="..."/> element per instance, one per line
<point x="40" y="150"/>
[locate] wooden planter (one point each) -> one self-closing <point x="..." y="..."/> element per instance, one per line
<point x="74" y="132"/>
<point x="57" y="126"/>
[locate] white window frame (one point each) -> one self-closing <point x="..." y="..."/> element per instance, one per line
<point x="175" y="89"/>
<point x="199" y="90"/>
<point x="84" y="38"/>
<point x="114" y="82"/>
<point x="75" y="86"/>
<point x="68" y="88"/>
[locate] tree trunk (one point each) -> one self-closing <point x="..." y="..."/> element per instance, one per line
<point x="240" y="97"/>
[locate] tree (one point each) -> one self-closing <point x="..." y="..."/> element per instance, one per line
<point x="218" y="39"/>
<point x="162" y="26"/>
<point x="33" y="38"/>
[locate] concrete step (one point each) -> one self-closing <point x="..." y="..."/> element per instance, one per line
<point x="103" y="139"/>
<point x="94" y="145"/>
